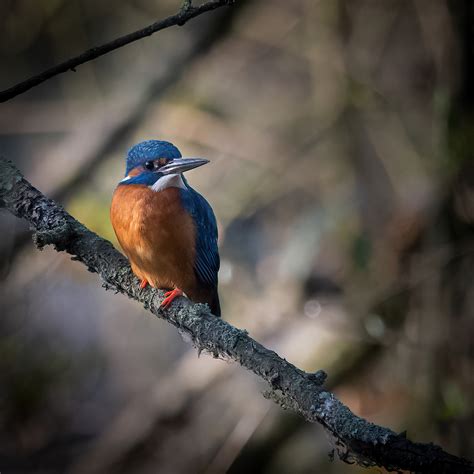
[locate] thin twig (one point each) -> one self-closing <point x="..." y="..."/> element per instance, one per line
<point x="355" y="439"/>
<point x="186" y="13"/>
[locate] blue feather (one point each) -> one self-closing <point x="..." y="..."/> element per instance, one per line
<point x="147" y="178"/>
<point x="150" y="150"/>
<point x="207" y="255"/>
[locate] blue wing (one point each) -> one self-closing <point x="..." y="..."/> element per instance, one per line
<point x="207" y="255"/>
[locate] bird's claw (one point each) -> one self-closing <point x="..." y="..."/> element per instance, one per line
<point x="170" y="296"/>
<point x="143" y="284"/>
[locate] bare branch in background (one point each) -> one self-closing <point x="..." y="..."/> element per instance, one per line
<point x="186" y="13"/>
<point x="355" y="439"/>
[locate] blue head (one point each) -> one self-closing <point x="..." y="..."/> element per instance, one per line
<point x="154" y="160"/>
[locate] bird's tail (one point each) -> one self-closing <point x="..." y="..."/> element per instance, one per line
<point x="215" y="304"/>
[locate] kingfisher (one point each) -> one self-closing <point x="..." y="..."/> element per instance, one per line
<point x="167" y="229"/>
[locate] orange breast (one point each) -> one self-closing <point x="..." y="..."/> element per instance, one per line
<point x="157" y="235"/>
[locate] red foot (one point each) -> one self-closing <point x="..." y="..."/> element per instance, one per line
<point x="143" y="284"/>
<point x="170" y="296"/>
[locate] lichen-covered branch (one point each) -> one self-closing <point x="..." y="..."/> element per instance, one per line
<point x="186" y="13"/>
<point x="355" y="439"/>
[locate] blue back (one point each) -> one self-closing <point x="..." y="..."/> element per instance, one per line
<point x="207" y="255"/>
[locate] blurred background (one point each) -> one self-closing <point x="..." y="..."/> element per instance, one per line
<point x="340" y="134"/>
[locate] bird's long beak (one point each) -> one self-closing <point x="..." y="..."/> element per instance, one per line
<point x="180" y="165"/>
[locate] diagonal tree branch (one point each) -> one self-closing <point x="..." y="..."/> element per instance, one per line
<point x="355" y="439"/>
<point x="186" y="13"/>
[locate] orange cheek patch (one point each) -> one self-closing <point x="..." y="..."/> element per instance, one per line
<point x="135" y="171"/>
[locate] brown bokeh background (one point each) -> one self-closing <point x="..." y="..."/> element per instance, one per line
<point x="340" y="134"/>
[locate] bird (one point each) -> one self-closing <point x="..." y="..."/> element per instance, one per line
<point x="167" y="230"/>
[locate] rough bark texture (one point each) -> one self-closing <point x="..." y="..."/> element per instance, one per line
<point x="187" y="12"/>
<point x="355" y="439"/>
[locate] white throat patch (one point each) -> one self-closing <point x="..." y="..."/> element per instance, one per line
<point x="168" y="181"/>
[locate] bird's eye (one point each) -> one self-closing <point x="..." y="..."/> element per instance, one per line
<point x="149" y="165"/>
